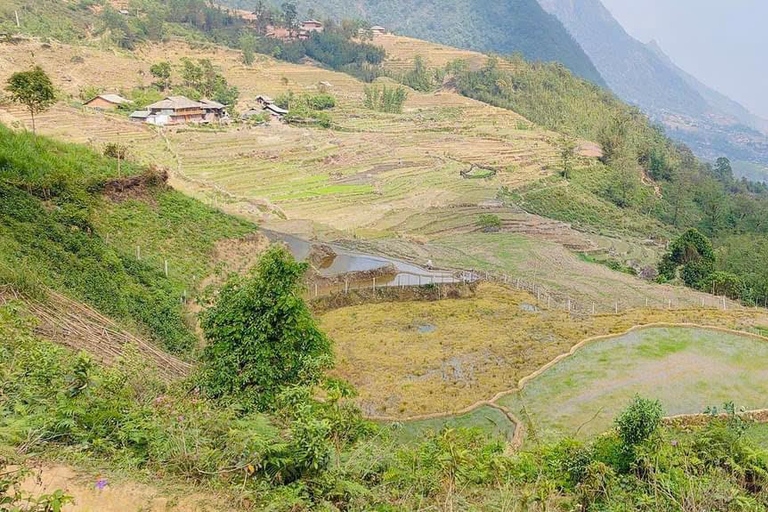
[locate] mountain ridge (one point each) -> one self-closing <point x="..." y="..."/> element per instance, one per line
<point x="642" y="74"/>
<point x="497" y="27"/>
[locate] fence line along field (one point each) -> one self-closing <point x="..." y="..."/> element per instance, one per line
<point x="414" y="358"/>
<point x="388" y="183"/>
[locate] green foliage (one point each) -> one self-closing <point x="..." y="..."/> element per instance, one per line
<point x="568" y="148"/>
<point x="89" y="92"/>
<point x="693" y="252"/>
<point x="248" y="46"/>
<point x="55" y="225"/>
<point x="611" y="263"/>
<point x="489" y="222"/>
<point x="142" y="97"/>
<point x="420" y="77"/>
<point x="203" y="78"/>
<point x="514" y="26"/>
<point x="161" y="71"/>
<point x="13" y="499"/>
<point x="385" y="99"/>
<point x="313" y="455"/>
<point x="261" y="336"/>
<point x="640" y="420"/>
<point x="33" y="89"/>
<point x="307" y="108"/>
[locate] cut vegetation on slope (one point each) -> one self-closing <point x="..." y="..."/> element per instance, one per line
<point x="128" y="246"/>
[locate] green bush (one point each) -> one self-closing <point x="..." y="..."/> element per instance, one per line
<point x="261" y="335"/>
<point x="639" y="421"/>
<point x="385" y="99"/>
<point x="489" y="222"/>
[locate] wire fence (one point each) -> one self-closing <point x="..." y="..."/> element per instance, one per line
<point x="543" y="295"/>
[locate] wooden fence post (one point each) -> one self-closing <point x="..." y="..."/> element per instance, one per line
<point x="166" y="267"/>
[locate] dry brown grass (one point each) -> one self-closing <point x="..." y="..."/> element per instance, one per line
<point x="479" y="346"/>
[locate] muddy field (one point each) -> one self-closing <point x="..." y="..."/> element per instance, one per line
<point x="687" y="369"/>
<point x="413" y="358"/>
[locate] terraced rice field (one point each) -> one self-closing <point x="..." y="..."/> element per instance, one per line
<point x="401" y="52"/>
<point x="390" y="182"/>
<point x="492" y="421"/>
<point x="687" y="369"/>
<point x="414" y="358"/>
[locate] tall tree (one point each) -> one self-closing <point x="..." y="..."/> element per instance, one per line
<point x="261" y="335"/>
<point x="162" y="72"/>
<point x="567" y="154"/>
<point x="723" y="170"/>
<point x="33" y="89"/>
<point x="248" y="46"/>
<point x="290" y="15"/>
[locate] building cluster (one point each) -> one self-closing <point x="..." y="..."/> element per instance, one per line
<point x="266" y="105"/>
<point x="170" y="111"/>
<point x="304" y="31"/>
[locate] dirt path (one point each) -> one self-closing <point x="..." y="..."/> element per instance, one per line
<point x="122" y="496"/>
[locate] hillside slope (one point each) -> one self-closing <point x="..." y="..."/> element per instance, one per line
<point x="712" y="124"/>
<point x="505" y="27"/>
<point x="117" y="240"/>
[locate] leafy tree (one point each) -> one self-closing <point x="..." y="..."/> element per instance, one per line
<point x="639" y="421"/>
<point x="261" y="335"/>
<point x="248" y="46"/>
<point x="567" y="154"/>
<point x="33" y="89"/>
<point x="203" y="78"/>
<point x="162" y="73"/>
<point x="614" y="139"/>
<point x="385" y="99"/>
<point x="419" y="77"/>
<point x="714" y="203"/>
<point x="489" y="222"/>
<point x="290" y="15"/>
<point x="625" y="180"/>
<point x="693" y="252"/>
<point x="723" y="170"/>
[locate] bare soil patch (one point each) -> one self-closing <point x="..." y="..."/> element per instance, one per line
<point x="119" y="496"/>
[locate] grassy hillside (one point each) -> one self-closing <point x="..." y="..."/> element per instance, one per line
<point x="711" y="124"/>
<point x="69" y="225"/>
<point x="497" y="27"/>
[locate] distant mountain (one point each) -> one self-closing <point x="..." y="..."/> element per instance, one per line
<point x="713" y="98"/>
<point x="504" y="27"/>
<point x="642" y="74"/>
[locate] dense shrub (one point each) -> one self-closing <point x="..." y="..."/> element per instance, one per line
<point x="261" y="335"/>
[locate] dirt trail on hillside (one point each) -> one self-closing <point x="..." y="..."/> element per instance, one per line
<point x="73" y="324"/>
<point x="118" y="496"/>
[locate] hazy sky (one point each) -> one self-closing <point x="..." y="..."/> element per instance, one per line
<point x="724" y="43"/>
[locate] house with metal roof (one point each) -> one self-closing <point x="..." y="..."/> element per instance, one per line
<point x="107" y="102"/>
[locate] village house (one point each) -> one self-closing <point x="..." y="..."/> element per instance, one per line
<point x="275" y="111"/>
<point x="279" y="33"/>
<point x="264" y="100"/>
<point x="214" y="111"/>
<point x="107" y="102"/>
<point x="309" y="27"/>
<point x="378" y="31"/>
<point x="181" y="110"/>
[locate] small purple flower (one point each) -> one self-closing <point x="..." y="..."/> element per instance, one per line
<point x="674" y="443"/>
<point x="101" y="483"/>
<point x="181" y="418"/>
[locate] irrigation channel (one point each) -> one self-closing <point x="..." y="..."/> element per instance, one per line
<point x="356" y="270"/>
